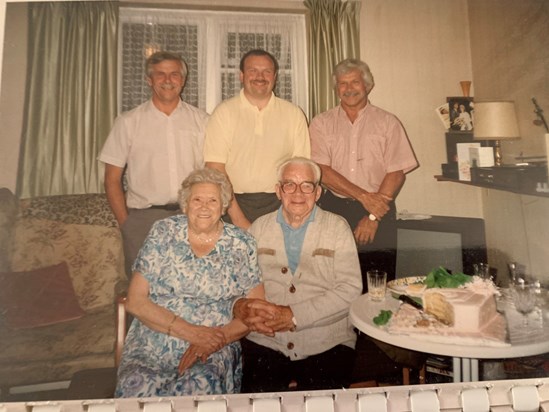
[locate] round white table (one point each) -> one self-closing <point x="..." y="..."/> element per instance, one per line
<point x="533" y="340"/>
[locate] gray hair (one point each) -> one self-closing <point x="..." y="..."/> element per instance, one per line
<point x="161" y="56"/>
<point x="299" y="161"/>
<point x="206" y="175"/>
<point x="348" y="65"/>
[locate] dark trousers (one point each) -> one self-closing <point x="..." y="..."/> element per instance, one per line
<point x="135" y="230"/>
<point x="381" y="253"/>
<point x="267" y="370"/>
<point x="255" y="205"/>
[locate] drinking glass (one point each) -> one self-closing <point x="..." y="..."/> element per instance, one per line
<point x="482" y="270"/>
<point x="377" y="283"/>
<point x="524" y="298"/>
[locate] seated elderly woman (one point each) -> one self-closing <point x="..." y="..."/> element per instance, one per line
<point x="311" y="271"/>
<point x="186" y="277"/>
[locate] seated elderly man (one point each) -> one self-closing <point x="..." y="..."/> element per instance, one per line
<point x="311" y="272"/>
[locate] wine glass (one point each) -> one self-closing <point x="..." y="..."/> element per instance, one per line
<point x="524" y="298"/>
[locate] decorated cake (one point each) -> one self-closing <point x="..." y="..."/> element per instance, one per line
<point x="463" y="308"/>
<point x="469" y="308"/>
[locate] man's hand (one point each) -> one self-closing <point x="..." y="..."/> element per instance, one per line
<point x="365" y="230"/>
<point x="283" y="320"/>
<point x="254" y="313"/>
<point x="375" y="203"/>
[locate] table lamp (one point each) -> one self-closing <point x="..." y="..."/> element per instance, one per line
<point x="495" y="120"/>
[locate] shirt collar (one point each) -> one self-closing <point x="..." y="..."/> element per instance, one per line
<point x="361" y="112"/>
<point x="247" y="103"/>
<point x="280" y="219"/>
<point x="155" y="109"/>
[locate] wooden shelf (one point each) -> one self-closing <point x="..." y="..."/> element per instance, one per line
<point x="441" y="178"/>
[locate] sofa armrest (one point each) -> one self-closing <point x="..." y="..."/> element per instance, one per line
<point x="121" y="321"/>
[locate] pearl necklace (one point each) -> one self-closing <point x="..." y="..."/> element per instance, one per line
<point x="207" y="239"/>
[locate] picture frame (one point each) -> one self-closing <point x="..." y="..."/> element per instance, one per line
<point x="461" y="110"/>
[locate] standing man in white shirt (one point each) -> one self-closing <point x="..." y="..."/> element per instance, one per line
<point x="251" y="134"/>
<point x="157" y="145"/>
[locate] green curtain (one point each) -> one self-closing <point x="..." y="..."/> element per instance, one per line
<point x="334" y="35"/>
<point x="70" y="98"/>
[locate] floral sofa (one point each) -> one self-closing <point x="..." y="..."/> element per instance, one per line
<point x="61" y="265"/>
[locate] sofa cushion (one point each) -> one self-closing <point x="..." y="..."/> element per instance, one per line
<point x="93" y="253"/>
<point x="38" y="297"/>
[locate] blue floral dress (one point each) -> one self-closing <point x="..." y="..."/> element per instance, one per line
<point x="200" y="290"/>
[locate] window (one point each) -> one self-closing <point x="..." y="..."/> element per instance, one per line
<point x="211" y="43"/>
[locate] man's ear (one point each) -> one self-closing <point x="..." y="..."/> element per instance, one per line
<point x="149" y="81"/>
<point x="277" y="191"/>
<point x="318" y="192"/>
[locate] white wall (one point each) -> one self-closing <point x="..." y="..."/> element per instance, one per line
<point x="510" y="49"/>
<point x="419" y="52"/>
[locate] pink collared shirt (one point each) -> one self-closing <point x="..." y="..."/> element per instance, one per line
<point x="363" y="151"/>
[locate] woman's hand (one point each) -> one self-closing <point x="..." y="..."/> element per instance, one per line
<point x="193" y="354"/>
<point x="210" y="338"/>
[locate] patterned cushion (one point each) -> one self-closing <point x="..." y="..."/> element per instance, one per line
<point x="85" y="209"/>
<point x="38" y="297"/>
<point x="93" y="253"/>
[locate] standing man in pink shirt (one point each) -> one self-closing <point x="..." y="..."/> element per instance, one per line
<point x="364" y="154"/>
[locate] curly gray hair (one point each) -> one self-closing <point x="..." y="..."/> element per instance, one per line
<point x="206" y="175"/>
<point x="348" y="65"/>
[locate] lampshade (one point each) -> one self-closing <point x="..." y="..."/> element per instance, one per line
<point x="495" y="120"/>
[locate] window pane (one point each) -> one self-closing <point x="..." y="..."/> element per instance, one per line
<point x="240" y="43"/>
<point x="141" y="40"/>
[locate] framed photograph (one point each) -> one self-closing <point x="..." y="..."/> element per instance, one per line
<point x="461" y="113"/>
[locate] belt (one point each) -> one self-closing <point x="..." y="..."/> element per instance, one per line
<point x="169" y="206"/>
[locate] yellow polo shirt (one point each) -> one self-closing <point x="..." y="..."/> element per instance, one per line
<point x="252" y="142"/>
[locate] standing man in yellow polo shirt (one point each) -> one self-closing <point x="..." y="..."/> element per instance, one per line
<point x="249" y="135"/>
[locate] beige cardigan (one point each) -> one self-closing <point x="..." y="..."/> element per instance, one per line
<point x="326" y="281"/>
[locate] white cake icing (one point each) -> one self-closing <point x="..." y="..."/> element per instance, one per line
<point x="461" y="309"/>
<point x="468" y="313"/>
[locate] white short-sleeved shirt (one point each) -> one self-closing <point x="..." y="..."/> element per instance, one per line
<point x="159" y="150"/>
<point x="363" y="151"/>
<point x="252" y="143"/>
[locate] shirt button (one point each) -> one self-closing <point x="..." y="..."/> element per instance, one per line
<point x="284" y="270"/>
<point x="290" y="345"/>
<point x="292" y="289"/>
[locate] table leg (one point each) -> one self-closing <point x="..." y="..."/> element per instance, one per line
<point x="465" y="370"/>
<point x="456" y="366"/>
<point x="474" y="370"/>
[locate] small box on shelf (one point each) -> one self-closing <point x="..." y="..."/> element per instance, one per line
<point x="464" y="160"/>
<point x="481" y="156"/>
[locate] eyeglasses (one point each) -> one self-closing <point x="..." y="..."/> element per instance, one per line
<point x="305" y="187"/>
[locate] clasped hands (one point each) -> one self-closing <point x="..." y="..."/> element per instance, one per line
<point x="376" y="204"/>
<point x="264" y="317"/>
<point x="257" y="314"/>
